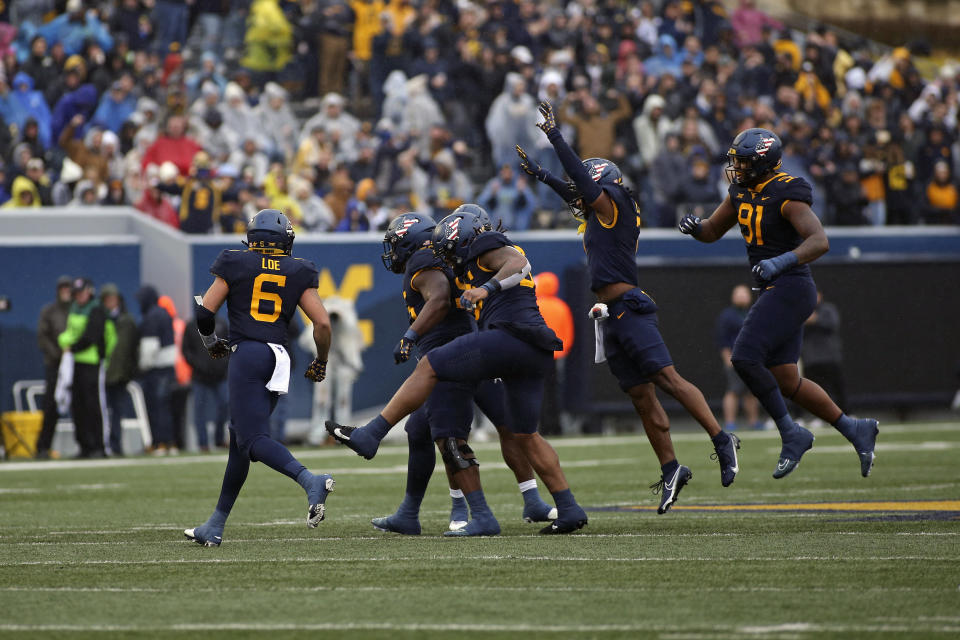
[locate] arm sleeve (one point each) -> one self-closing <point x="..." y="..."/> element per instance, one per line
<point x="589" y="189"/>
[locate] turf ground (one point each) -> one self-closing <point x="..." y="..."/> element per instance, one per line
<point x="95" y="549"/>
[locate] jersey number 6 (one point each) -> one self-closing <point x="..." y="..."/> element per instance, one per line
<point x="749" y="218"/>
<point x="259" y="295"/>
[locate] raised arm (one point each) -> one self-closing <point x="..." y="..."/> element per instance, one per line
<point x="312" y="305"/>
<point x="592" y="193"/>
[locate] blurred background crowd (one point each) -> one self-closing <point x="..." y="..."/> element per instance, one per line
<point x="344" y="112"/>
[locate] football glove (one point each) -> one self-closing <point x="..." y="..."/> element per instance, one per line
<point x="767" y="270"/>
<point x="532" y="167"/>
<point x="549" y="120"/>
<point x="401" y="353"/>
<point x="219" y="349"/>
<point x="690" y="225"/>
<point x="317" y="370"/>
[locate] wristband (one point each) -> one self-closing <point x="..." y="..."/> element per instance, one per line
<point x="492" y="286"/>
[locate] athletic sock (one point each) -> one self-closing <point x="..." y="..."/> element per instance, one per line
<point x="378" y="427"/>
<point x="478" y="504"/>
<point x="785" y="425"/>
<point x="564" y="499"/>
<point x="456" y="493"/>
<point x="217" y="519"/>
<point x="410" y="507"/>
<point x="720" y="439"/>
<point x="846" y="425"/>
<point x="238" y="465"/>
<point x="669" y="468"/>
<point x="530" y="493"/>
<point x="276" y="456"/>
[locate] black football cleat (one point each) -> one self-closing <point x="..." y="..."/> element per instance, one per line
<point x="355" y="438"/>
<point x="669" y="489"/>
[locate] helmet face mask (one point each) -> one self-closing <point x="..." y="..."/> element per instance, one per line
<point x="270" y="231"/>
<point x="753" y="154"/>
<point x="604" y="172"/>
<point x="405" y="234"/>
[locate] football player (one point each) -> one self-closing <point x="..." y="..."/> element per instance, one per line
<point x="430" y="296"/>
<point x="262" y="286"/>
<point x="783" y="236"/>
<point x="631" y="341"/>
<point x="513" y="344"/>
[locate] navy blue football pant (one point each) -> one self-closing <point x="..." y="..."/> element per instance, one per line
<point x="772" y="334"/>
<point x="495" y="353"/>
<point x="251" y="367"/>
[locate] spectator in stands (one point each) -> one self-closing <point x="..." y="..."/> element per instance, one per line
<point x="748" y="23"/>
<point x="511" y="121"/>
<point x="822" y="350"/>
<point x="508" y="199"/>
<point x="651" y="128"/>
<point x="596" y="126"/>
<point x="441" y="187"/>
<point x="158" y="354"/>
<point x="699" y="192"/>
<point x="200" y="197"/>
<point x="86" y="338"/>
<point x="37" y="175"/>
<point x="75" y="28"/>
<point x="116" y="106"/>
<point x="726" y="329"/>
<point x="170" y="18"/>
<point x="24" y="194"/>
<point x="173" y="146"/>
<point x="86" y="152"/>
<point x="847" y="197"/>
<point x="667" y="173"/>
<point x="52" y="322"/>
<point x="33" y="106"/>
<point x="317" y="215"/>
<point x="941" y="197"/>
<point x="209" y="387"/>
<point x="216" y="140"/>
<point x="122" y="364"/>
<point x="277" y="122"/>
<point x="269" y="38"/>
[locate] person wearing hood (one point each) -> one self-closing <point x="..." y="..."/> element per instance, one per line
<point x="115" y="107"/>
<point x="52" y="322"/>
<point x="122" y="364"/>
<point x="75" y="28"/>
<point x="239" y="118"/>
<point x="511" y="121"/>
<point x="277" y="121"/>
<point x="24" y="194"/>
<point x="158" y="355"/>
<point x="81" y="101"/>
<point x="86" y="337"/>
<point x="40" y="180"/>
<point x="85" y="153"/>
<point x="11" y="109"/>
<point x="332" y="117"/>
<point x="651" y="127"/>
<point x="33" y="104"/>
<point x="666" y="60"/>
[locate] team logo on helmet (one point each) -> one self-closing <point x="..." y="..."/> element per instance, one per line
<point x="409" y="222"/>
<point x="454" y="229"/>
<point x="596" y="170"/>
<point x="764" y="145"/>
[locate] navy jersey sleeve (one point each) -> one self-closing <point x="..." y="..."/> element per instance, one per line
<point x="222" y="266"/>
<point x="797" y="189"/>
<point x="423" y="259"/>
<point x="487" y="241"/>
<point x="309" y="274"/>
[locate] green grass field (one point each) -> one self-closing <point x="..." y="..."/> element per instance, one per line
<point x="96" y="549"/>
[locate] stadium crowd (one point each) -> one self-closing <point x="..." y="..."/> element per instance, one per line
<point x="344" y="112"/>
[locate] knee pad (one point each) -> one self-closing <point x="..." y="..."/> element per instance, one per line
<point x="457" y="454"/>
<point x="756" y="376"/>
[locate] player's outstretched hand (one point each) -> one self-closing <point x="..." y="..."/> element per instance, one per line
<point x="317" y="370"/>
<point x="532" y="167"/>
<point x="219" y="349"/>
<point x="549" y="120"/>
<point x="690" y="225"/>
